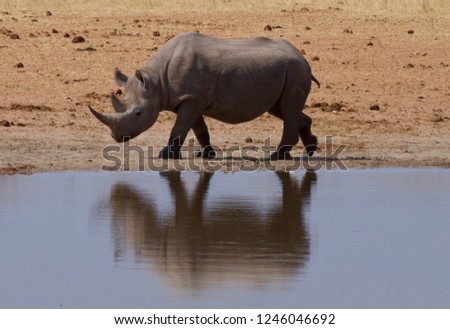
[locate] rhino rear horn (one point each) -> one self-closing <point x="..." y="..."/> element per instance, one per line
<point x="117" y="104"/>
<point x="108" y="120"/>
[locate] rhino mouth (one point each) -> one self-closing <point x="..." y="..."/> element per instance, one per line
<point x="120" y="138"/>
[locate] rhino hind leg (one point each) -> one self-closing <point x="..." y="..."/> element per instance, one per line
<point x="290" y="133"/>
<point x="290" y="136"/>
<point x="202" y="134"/>
<point x="304" y="132"/>
<point x="282" y="153"/>
<point x="308" y="139"/>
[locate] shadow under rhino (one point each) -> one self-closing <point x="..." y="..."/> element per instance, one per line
<point x="206" y="241"/>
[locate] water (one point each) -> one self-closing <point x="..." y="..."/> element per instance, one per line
<point x="332" y="239"/>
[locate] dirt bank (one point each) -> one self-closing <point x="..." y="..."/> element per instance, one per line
<point x="385" y="82"/>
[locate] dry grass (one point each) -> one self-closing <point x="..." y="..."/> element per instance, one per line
<point x="373" y="6"/>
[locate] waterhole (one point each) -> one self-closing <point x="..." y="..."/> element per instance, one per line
<point x="330" y="239"/>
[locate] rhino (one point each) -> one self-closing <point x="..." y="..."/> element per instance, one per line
<point x="233" y="81"/>
<point x="201" y="241"/>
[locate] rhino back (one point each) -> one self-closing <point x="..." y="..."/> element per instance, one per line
<point x="227" y="75"/>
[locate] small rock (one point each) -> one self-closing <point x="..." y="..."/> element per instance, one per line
<point x="437" y="118"/>
<point x="410" y="66"/>
<point x="375" y="107"/>
<point x="336" y="107"/>
<point x="267" y="28"/>
<point x="315" y="59"/>
<point x="333" y="107"/>
<point x="370" y="44"/>
<point x="307" y="28"/>
<point x="349" y="31"/>
<point x="411" y="32"/>
<point x="55" y="31"/>
<point x="78" y="39"/>
<point x="48" y="13"/>
<point x="307" y="42"/>
<point x="248" y="140"/>
<point x="19" y="66"/>
<point x="5" y="123"/>
<point x="5" y="31"/>
<point x="119" y="92"/>
<point x="86" y="49"/>
<point x="66" y="35"/>
<point x="317" y="104"/>
<point x="32" y="35"/>
<point x="156" y="34"/>
<point x="14" y="36"/>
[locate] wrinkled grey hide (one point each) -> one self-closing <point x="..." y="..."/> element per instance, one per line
<point x="232" y="81"/>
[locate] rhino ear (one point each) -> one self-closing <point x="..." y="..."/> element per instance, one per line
<point x="140" y="75"/>
<point x="120" y="78"/>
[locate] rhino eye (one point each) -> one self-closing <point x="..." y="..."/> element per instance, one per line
<point x="138" y="112"/>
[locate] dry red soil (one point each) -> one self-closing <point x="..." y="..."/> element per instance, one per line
<point x="385" y="82"/>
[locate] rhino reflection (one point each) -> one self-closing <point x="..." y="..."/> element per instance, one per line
<point x="207" y="240"/>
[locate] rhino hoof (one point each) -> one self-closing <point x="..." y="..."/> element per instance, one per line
<point x="170" y="152"/>
<point x="280" y="156"/>
<point x="312" y="147"/>
<point x="206" y="153"/>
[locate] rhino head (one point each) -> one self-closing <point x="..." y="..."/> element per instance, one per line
<point x="137" y="112"/>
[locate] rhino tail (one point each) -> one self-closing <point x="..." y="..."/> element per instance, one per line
<point x="315" y="80"/>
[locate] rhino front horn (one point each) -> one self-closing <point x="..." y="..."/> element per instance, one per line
<point x="105" y="119"/>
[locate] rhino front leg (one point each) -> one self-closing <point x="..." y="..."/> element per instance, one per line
<point x="171" y="151"/>
<point x="188" y="114"/>
<point x="202" y="134"/>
